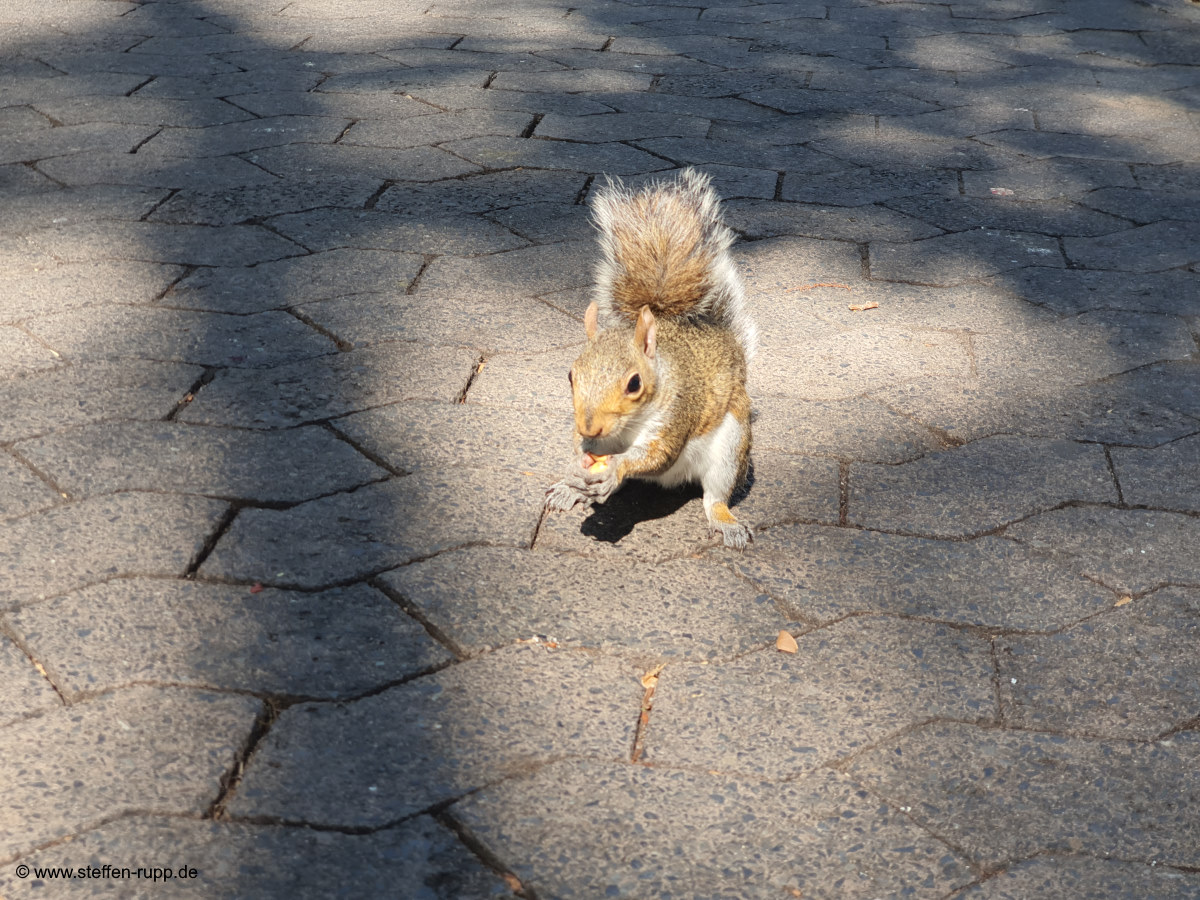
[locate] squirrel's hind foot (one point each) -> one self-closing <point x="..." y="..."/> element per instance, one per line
<point x="733" y="532"/>
<point x="737" y="535"/>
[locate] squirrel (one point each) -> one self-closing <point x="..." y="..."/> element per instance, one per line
<point x="661" y="394"/>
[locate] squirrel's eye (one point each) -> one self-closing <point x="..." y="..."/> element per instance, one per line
<point x="635" y="384"/>
<point x="570" y="378"/>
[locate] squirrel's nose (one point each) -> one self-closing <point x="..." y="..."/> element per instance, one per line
<point x="589" y="427"/>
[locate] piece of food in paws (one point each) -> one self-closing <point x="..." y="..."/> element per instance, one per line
<point x="595" y="463"/>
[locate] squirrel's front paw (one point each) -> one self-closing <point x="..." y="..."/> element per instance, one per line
<point x="599" y="486"/>
<point x="565" y="494"/>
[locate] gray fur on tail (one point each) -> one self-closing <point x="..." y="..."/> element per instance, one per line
<point x="667" y="246"/>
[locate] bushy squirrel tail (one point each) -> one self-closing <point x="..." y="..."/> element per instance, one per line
<point x="666" y="246"/>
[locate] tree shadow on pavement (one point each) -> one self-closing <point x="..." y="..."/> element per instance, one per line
<point x="296" y="293"/>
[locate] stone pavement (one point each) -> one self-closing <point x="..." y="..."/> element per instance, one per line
<point x="289" y="291"/>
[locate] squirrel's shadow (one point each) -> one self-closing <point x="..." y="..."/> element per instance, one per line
<point x="643" y="501"/>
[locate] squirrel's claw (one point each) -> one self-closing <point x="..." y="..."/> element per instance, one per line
<point x="564" y="495"/>
<point x="735" y="535"/>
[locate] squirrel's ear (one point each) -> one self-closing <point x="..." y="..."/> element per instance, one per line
<point x="589" y="320"/>
<point x="645" y="333"/>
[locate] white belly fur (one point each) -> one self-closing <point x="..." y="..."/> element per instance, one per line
<point x="715" y="450"/>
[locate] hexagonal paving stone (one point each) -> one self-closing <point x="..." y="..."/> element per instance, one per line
<point x="1143" y="407"/>
<point x="437" y="435"/>
<point x="460" y="729"/>
<point x="240" y="137"/>
<point x="21" y="490"/>
<point x="73" y="767"/>
<point x="484" y="597"/>
<point x="71" y="546"/>
<point x="503" y="153"/>
<point x="417" y="860"/>
<point x="1072" y="291"/>
<point x="1167" y="477"/>
<point x="1001" y="795"/>
<point x="330" y="229"/>
<point x="118" y="332"/>
<point x="264" y="467"/>
<point x="42" y="290"/>
<point x="461" y="320"/>
<point x="820" y="574"/>
<point x="978" y="487"/>
<point x="1130" y="673"/>
<point x="192" y="245"/>
<point x="300" y="279"/>
<point x="378" y="527"/>
<point x="73" y="206"/>
<point x="1150" y="248"/>
<point x="591" y="829"/>
<point x="955" y="258"/>
<point x="437" y="128"/>
<point x="1131" y="550"/>
<point x="331" y="386"/>
<point x="333" y="644"/>
<point x="852" y="429"/>
<point x="774" y="715"/>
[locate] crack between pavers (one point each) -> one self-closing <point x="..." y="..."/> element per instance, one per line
<point x="340" y="342"/>
<point x="210" y="543"/>
<point x="7" y="631"/>
<point x="188" y="271"/>
<point x="267" y="226"/>
<point x="236" y="106"/>
<point x="1112" y="472"/>
<point x="483" y="853"/>
<point x="978" y="868"/>
<point x="371" y="201"/>
<point x="633" y="146"/>
<point x="209" y="373"/>
<point x="537" y="528"/>
<point x="1182" y="728"/>
<point x="418" y="615"/>
<point x="581" y="197"/>
<point x="232" y="778"/>
<point x="134" y="90"/>
<point x="171" y="192"/>
<point x="480" y="362"/>
<point x="426" y="260"/>
<point x="140" y="144"/>
<point x="843" y="493"/>
<point x="375" y="458"/>
<point x="945" y="440"/>
<point x="649" y="685"/>
<point x="45" y="478"/>
<point x="536" y="120"/>
<point x="280" y="179"/>
<point x="997" y="687"/>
